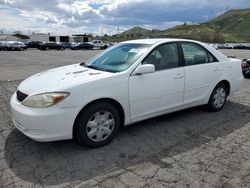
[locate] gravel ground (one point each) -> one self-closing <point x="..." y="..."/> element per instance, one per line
<point x="241" y="54"/>
<point x="17" y="65"/>
<point x="190" y="148"/>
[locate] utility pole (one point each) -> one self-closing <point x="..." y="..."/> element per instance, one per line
<point x="101" y="31"/>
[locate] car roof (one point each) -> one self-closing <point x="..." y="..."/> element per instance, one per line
<point x="157" y="40"/>
<point x="153" y="41"/>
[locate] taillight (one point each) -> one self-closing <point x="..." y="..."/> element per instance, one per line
<point x="243" y="64"/>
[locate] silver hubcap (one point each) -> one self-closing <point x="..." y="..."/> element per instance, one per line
<point x="100" y="126"/>
<point x="219" y="97"/>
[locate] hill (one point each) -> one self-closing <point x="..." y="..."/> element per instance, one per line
<point x="136" y="32"/>
<point x="232" y="26"/>
<point x="235" y="23"/>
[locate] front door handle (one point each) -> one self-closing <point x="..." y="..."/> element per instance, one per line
<point x="178" y="76"/>
<point x="216" y="69"/>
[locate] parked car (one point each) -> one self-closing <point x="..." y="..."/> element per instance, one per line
<point x="127" y="83"/>
<point x="34" y="44"/>
<point x="242" y="46"/>
<point x="67" y="44"/>
<point x="51" y="45"/>
<point x="84" y="45"/>
<point x="98" y="44"/>
<point x="225" y="46"/>
<point x="214" y="46"/>
<point x="16" y="45"/>
<point x="3" y="45"/>
<point x="246" y="67"/>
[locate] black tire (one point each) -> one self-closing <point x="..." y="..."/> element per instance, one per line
<point x="212" y="101"/>
<point x="81" y="129"/>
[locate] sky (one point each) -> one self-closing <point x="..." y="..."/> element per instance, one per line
<point x="101" y="17"/>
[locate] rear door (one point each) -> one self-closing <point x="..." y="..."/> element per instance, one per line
<point x="202" y="71"/>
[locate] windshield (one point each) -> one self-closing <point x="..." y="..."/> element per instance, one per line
<point x="118" y="58"/>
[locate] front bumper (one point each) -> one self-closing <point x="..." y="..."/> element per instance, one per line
<point x="246" y="71"/>
<point x="43" y="124"/>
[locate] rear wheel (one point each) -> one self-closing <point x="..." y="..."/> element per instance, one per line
<point x="218" y="98"/>
<point x="97" y="125"/>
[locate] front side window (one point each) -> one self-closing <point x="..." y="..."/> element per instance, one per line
<point x="119" y="57"/>
<point x="163" y="57"/>
<point x="194" y="54"/>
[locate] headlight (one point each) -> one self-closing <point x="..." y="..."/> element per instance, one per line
<point x="45" y="99"/>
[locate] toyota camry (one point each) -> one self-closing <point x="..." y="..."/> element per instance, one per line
<point x="128" y="82"/>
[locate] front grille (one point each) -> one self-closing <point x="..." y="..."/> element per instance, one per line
<point x="20" y="96"/>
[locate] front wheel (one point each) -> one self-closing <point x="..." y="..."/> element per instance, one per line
<point x="97" y="125"/>
<point x="218" y="98"/>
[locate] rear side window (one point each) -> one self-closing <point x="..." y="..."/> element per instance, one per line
<point x="194" y="54"/>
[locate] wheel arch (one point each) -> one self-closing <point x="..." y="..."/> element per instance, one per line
<point x="227" y="84"/>
<point x="109" y="100"/>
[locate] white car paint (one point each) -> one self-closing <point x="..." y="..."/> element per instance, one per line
<point x="140" y="96"/>
<point x="151" y="93"/>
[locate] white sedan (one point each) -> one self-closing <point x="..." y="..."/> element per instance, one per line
<point x="127" y="83"/>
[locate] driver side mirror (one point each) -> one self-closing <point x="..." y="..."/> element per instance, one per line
<point x="144" y="69"/>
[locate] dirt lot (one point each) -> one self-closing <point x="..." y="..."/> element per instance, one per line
<point x="191" y="148"/>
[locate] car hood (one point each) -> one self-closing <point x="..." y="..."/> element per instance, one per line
<point x="60" y="78"/>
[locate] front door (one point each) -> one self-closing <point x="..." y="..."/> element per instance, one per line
<point x="154" y="93"/>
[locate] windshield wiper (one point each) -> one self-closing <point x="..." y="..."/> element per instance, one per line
<point x="83" y="63"/>
<point x="98" y="68"/>
<point x="95" y="67"/>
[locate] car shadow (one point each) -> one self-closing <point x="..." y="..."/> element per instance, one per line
<point x="61" y="162"/>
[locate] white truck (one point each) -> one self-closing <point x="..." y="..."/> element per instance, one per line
<point x="98" y="44"/>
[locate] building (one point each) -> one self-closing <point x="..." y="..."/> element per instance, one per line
<point x="39" y="37"/>
<point x="48" y="38"/>
<point x="81" y="38"/>
<point x="7" y="37"/>
<point x="21" y="37"/>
